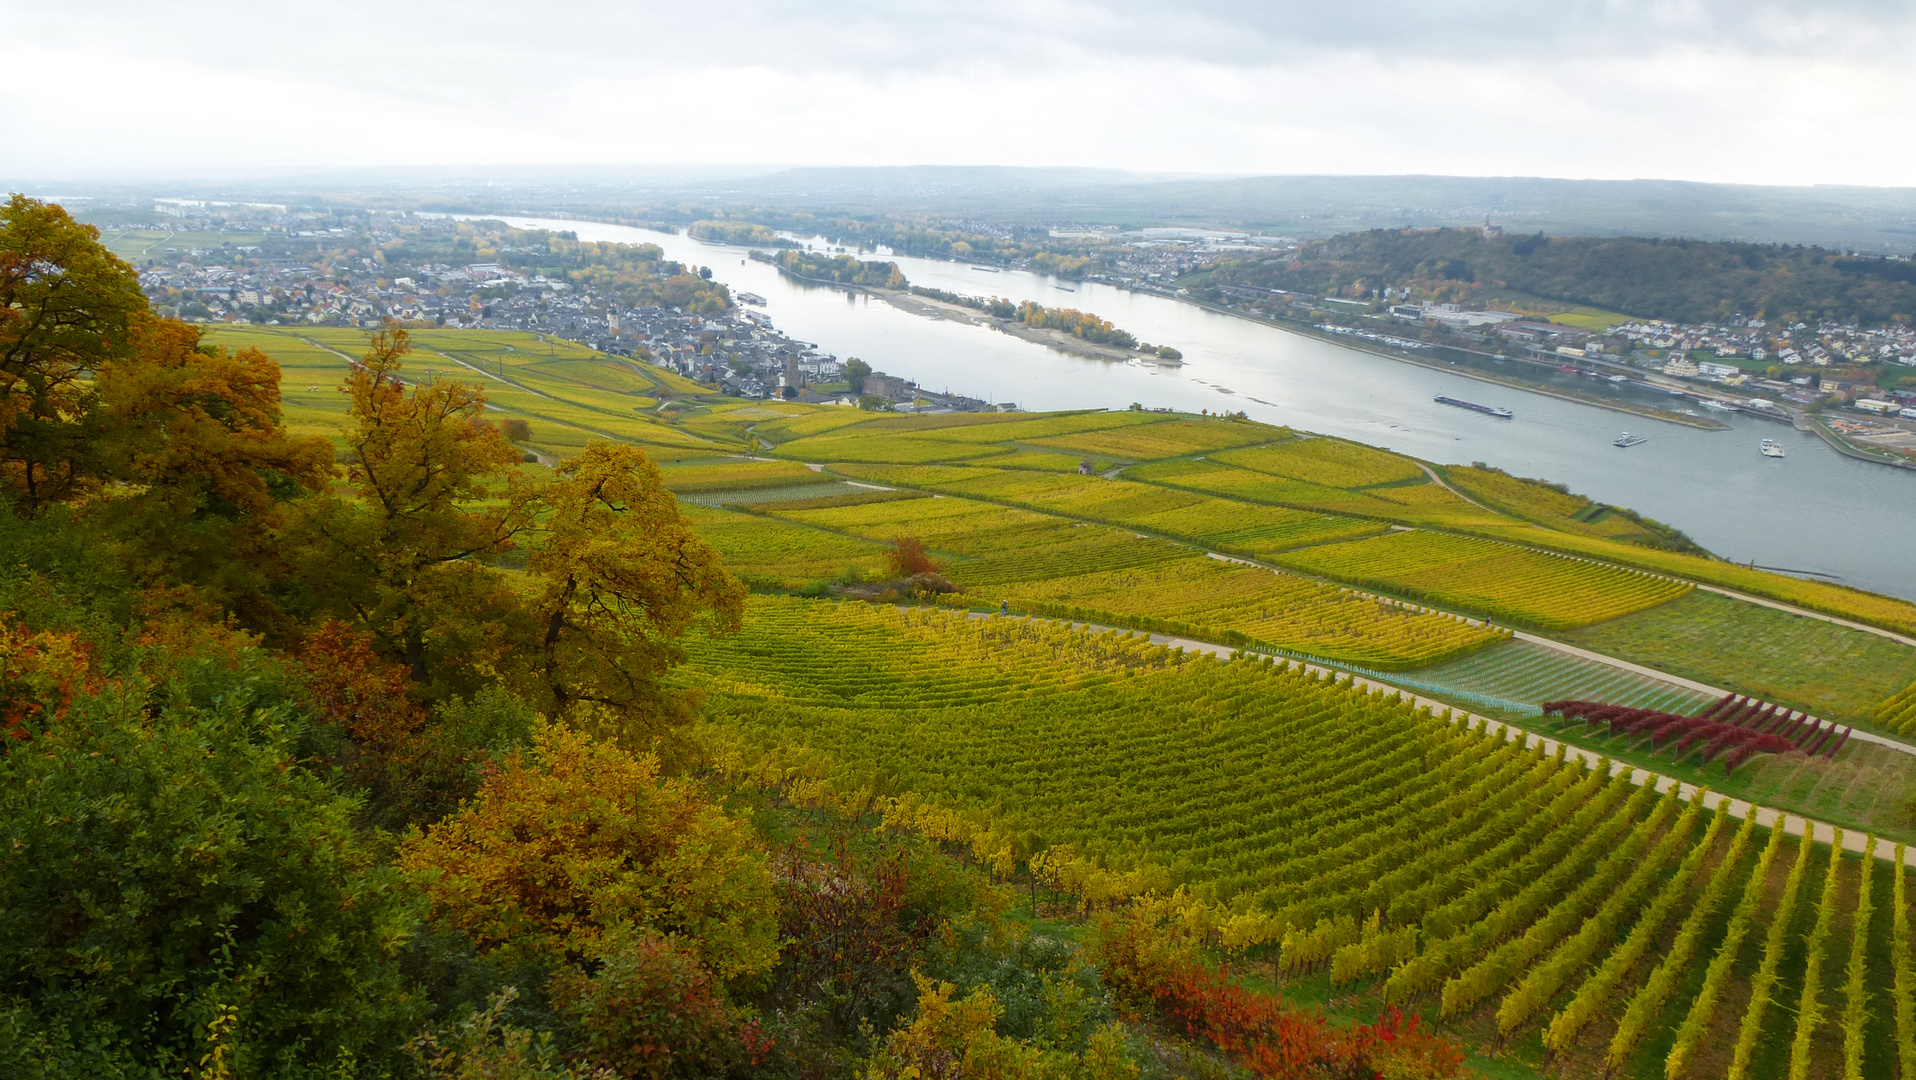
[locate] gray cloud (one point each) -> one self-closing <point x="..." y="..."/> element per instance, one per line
<point x="1693" y="88"/>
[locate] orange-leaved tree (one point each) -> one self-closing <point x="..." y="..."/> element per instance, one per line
<point x="194" y="435"/>
<point x="622" y="578"/>
<point x="67" y="306"/>
<point x="435" y="486"/>
<point x="577" y="837"/>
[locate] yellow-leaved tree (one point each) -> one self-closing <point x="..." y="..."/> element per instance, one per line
<point x="67" y="307"/>
<point x="622" y="577"/>
<point x="434" y="489"/>
<point x="577" y="838"/>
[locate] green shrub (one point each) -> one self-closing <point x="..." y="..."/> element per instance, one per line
<point x="159" y="875"/>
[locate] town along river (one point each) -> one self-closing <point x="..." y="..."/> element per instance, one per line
<point x="1814" y="511"/>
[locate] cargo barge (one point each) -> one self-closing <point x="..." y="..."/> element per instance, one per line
<point x="1490" y="410"/>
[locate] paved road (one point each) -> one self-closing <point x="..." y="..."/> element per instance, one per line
<point x="1793" y="824"/>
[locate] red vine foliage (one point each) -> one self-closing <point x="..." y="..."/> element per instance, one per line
<point x="1150" y="972"/>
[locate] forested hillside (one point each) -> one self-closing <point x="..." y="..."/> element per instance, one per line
<point x="1681" y="280"/>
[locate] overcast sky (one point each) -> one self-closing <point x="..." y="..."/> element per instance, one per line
<point x="1758" y="91"/>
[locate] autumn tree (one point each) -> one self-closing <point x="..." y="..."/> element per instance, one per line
<point x="206" y="466"/>
<point x="436" y="488"/>
<point x="67" y="308"/>
<point x="577" y="837"/>
<point x="907" y="557"/>
<point x="622" y="578"/>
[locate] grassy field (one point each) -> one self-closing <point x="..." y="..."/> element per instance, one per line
<point x="1801" y="662"/>
<point x="1590" y="318"/>
<point x="138" y="245"/>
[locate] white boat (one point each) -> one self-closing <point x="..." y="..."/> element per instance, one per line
<point x="1627" y="440"/>
<point x="1719" y="406"/>
<point x="1772" y="448"/>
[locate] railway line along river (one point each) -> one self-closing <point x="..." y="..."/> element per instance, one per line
<point x="1813" y="511"/>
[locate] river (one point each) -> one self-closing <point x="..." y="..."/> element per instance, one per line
<point x="1814" y="511"/>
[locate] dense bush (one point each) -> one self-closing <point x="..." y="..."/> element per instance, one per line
<point x="160" y="874"/>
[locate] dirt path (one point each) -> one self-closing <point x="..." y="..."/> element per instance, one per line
<point x="1793" y="824"/>
<point x="1442" y="483"/>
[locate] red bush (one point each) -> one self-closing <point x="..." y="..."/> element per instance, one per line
<point x="1260" y="1032"/>
<point x="652" y="1011"/>
<point x="40" y="675"/>
<point x="907" y="558"/>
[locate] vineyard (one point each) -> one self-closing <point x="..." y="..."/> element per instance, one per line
<point x="1534" y="501"/>
<point x="1334" y="834"/>
<point x="1812" y="664"/>
<point x="568" y="393"/>
<point x="989" y="545"/>
<point x="1218" y="523"/>
<point x="1898" y="714"/>
<point x="778" y="554"/>
<point x="1527" y="674"/>
<point x="1232" y="482"/>
<point x="1253" y="607"/>
<point x="1172" y="438"/>
<point x="696" y="477"/>
<point x="1502" y="580"/>
<point x="1736" y="727"/>
<point x="1330" y="462"/>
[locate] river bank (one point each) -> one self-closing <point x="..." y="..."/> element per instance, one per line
<point x="1702" y="423"/>
<point x="1851" y="450"/>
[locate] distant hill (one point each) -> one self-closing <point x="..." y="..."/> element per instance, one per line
<point x="1684" y="280"/>
<point x="1876" y="220"/>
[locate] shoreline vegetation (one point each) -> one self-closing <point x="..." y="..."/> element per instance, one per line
<point x="1067" y="330"/>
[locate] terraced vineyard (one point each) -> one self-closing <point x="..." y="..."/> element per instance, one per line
<point x="1325" y="830"/>
<point x="1330" y="462"/>
<point x="776" y="554"/>
<point x="1254" y="607"/>
<point x="1811" y="664"/>
<point x="1898" y="713"/>
<point x="1254" y="531"/>
<point x="566" y="392"/>
<point x="1147" y="442"/>
<point x="1526" y="674"/>
<point x="733" y="474"/>
<point x="1502" y="580"/>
